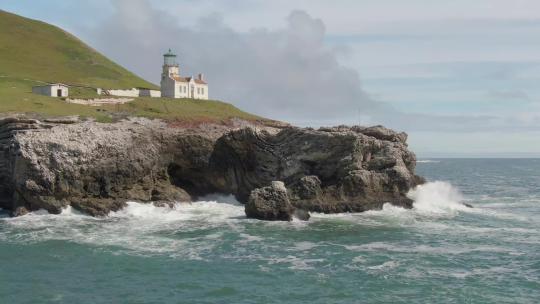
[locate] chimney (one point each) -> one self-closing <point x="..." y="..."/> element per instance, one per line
<point x="201" y="76"/>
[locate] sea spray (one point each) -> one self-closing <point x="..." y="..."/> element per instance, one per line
<point x="437" y="197"/>
<point x="434" y="199"/>
<point x="487" y="254"/>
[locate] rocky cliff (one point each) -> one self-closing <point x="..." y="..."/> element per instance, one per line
<point x="97" y="167"/>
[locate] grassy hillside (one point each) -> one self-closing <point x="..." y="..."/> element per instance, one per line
<point x="16" y="97"/>
<point x="35" y="50"/>
<point x="32" y="52"/>
<point x="164" y="108"/>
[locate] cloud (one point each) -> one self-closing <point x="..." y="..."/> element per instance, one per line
<point x="509" y="95"/>
<point x="289" y="73"/>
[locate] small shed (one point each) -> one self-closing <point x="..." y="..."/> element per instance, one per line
<point x="52" y="89"/>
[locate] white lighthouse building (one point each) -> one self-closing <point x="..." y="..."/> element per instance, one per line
<point x="175" y="86"/>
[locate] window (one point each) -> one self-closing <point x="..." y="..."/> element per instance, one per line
<point x="198" y="90"/>
<point x="202" y="90"/>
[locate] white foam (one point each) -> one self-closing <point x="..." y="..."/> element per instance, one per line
<point x="431" y="200"/>
<point x="296" y="263"/>
<point x="194" y="231"/>
<point x="385" y="266"/>
<point x="137" y="229"/>
<point x="359" y="259"/>
<point x="428" y="161"/>
<point x="439" y="249"/>
<point x="437" y="198"/>
<point x="207" y="210"/>
<point x="304" y="246"/>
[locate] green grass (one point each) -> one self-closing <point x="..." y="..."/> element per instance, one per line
<point x="33" y="52"/>
<point x="16" y="97"/>
<point x="31" y="49"/>
<point x="184" y="109"/>
<point x="86" y="93"/>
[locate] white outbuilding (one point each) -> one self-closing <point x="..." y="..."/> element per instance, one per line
<point x="52" y="89"/>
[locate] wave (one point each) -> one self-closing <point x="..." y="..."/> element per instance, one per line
<point x="191" y="230"/>
<point x="427" y="161"/>
<point x="437" y="198"/>
<point x="208" y="210"/>
<point x="148" y="222"/>
<point x="216" y="228"/>
<point x="432" y="200"/>
<point x="138" y="228"/>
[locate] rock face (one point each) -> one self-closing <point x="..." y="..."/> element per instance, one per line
<point x="329" y="170"/>
<point x="270" y="203"/>
<point x="97" y="167"/>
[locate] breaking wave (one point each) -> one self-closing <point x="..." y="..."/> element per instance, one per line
<point x="437" y="197"/>
<point x="432" y="200"/>
<point x="142" y="228"/>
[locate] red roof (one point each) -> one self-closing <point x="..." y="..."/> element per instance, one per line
<point x="182" y="79"/>
<point x="188" y="79"/>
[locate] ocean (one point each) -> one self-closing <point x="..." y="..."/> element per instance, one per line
<point x="208" y="252"/>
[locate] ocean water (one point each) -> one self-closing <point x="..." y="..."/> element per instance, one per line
<point x="208" y="252"/>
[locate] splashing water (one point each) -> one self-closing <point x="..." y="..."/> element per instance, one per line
<point x="437" y="197"/>
<point x="209" y="252"/>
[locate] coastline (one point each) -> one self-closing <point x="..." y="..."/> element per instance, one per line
<point x="96" y="167"/>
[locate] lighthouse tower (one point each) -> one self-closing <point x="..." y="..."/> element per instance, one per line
<point x="171" y="68"/>
<point x="171" y="71"/>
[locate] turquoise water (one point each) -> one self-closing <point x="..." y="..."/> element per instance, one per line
<point x="207" y="252"/>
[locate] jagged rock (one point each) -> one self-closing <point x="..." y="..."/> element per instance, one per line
<point x="20" y="211"/>
<point x="382" y="133"/>
<point x="308" y="187"/>
<point x="270" y="203"/>
<point x="166" y="193"/>
<point x="97" y="167"/>
<point x="301" y="214"/>
<point x="97" y="207"/>
<point x="329" y="170"/>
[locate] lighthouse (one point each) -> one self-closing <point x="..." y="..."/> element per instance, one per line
<point x="173" y="85"/>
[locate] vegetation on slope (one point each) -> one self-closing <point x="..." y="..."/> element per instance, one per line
<point x="33" y="52"/>
<point x="16" y="97"/>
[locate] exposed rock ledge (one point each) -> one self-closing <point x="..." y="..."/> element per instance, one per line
<point x="97" y="167"/>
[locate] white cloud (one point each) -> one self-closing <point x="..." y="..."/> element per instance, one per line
<point x="353" y="16"/>
<point x="478" y="60"/>
<point x="288" y="70"/>
<point x="287" y="73"/>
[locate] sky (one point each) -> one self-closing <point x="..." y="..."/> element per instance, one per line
<point x="460" y="77"/>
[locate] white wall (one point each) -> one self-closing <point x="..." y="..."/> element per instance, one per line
<point x="149" y="93"/>
<point x="201" y="91"/>
<point x="125" y="93"/>
<point x="182" y="89"/>
<point x="55" y="88"/>
<point x="171" y="71"/>
<point x="134" y="92"/>
<point x="177" y="89"/>
<point x="51" y="90"/>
